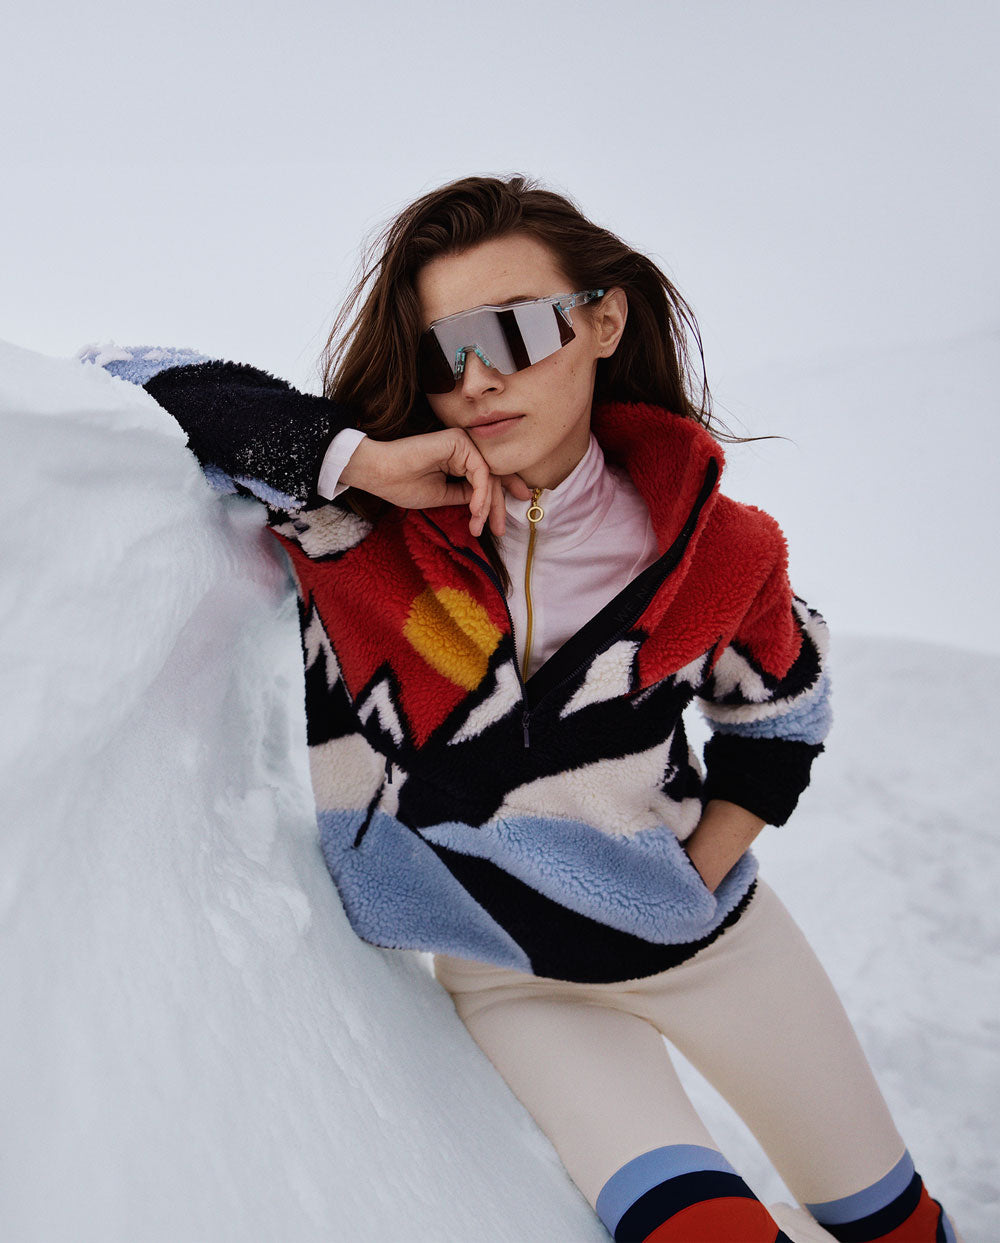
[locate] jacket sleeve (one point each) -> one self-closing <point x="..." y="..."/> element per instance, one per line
<point x="251" y="433"/>
<point x="767" y="699"/>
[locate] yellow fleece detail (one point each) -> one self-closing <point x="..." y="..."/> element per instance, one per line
<point x="453" y="633"/>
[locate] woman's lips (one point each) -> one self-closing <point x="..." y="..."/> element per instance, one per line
<point x="495" y="427"/>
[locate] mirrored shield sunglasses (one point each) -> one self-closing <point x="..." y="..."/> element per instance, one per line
<point x="508" y="338"/>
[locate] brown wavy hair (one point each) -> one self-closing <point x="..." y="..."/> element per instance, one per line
<point x="369" y="363"/>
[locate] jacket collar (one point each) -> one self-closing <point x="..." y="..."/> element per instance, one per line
<point x="666" y="456"/>
<point x="675" y="465"/>
<point x="574" y="509"/>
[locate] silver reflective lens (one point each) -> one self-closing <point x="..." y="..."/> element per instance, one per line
<point x="508" y="338"/>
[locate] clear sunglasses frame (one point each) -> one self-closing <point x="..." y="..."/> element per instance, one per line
<point x="563" y="303"/>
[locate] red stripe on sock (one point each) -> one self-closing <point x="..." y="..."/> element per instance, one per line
<point x="921" y="1225"/>
<point x="718" y="1221"/>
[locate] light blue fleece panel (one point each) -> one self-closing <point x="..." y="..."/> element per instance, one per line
<point x="138" y="363"/>
<point x="219" y="481"/>
<point x="808" y="721"/>
<point x="396" y="891"/>
<point x="644" y="885"/>
<point x="264" y="492"/>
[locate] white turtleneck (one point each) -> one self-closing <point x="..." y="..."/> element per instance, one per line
<point x="594" y="538"/>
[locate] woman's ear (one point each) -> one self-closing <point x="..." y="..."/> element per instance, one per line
<point x="611" y="313"/>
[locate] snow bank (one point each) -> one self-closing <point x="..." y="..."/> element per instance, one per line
<point x="194" y="1044"/>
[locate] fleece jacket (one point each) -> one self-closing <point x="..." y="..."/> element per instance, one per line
<point x="534" y="823"/>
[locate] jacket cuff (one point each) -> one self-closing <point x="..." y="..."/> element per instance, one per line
<point x="764" y="775"/>
<point x="338" y="454"/>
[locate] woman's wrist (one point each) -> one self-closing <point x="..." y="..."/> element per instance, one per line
<point x="722" y="836"/>
<point x="358" y="471"/>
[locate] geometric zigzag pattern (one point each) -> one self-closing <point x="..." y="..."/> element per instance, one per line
<point x="532" y="823"/>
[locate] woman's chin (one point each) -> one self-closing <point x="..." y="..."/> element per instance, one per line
<point x="503" y="460"/>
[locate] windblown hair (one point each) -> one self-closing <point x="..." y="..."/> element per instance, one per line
<point x="370" y="360"/>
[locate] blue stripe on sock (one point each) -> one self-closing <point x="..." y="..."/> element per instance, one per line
<point x="647" y="1171"/>
<point x="870" y="1200"/>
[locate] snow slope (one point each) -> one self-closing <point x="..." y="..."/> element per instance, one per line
<point x="195" y="1046"/>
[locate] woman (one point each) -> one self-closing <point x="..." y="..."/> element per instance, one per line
<point x="526" y="575"/>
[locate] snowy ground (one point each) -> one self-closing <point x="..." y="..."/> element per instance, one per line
<point x="195" y="1046"/>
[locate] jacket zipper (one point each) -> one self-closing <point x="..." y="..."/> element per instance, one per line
<point x="677" y="549"/>
<point x="534" y="515"/>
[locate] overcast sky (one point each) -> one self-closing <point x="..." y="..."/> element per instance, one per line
<point x="820" y="179"/>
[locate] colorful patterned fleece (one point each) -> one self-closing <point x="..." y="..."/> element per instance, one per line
<point x="536" y="825"/>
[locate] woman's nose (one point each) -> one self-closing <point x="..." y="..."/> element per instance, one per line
<point x="477" y="378"/>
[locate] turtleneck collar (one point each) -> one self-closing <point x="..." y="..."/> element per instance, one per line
<point x="666" y="457"/>
<point x="574" y="508"/>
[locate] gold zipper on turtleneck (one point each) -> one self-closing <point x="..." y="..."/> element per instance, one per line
<point x="534" y="515"/>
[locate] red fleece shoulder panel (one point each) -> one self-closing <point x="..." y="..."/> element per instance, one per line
<point x="732" y="586"/>
<point x="752" y="572"/>
<point x="769" y="631"/>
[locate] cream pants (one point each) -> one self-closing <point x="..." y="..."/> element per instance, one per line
<point x="754" y="1012"/>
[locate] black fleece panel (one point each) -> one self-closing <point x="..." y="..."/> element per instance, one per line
<point x="250" y="424"/>
<point x="556" y="938"/>
<point x="764" y="775"/>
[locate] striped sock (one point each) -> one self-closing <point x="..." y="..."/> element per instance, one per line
<point x="896" y="1209"/>
<point x="683" y="1192"/>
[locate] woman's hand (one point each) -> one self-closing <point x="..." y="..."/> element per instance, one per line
<point x="721" y="837"/>
<point x="413" y="473"/>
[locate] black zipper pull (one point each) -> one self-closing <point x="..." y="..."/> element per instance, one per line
<point x="388" y="771"/>
<point x="524" y="723"/>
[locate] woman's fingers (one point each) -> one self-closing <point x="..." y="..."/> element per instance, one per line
<point x="436" y="468"/>
<point x="479" y="506"/>
<point x="468" y="461"/>
<point x="483" y="491"/>
<point x="487" y="504"/>
<point x="498" y="507"/>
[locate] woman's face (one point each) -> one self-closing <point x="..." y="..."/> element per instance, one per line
<point x="536" y="422"/>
